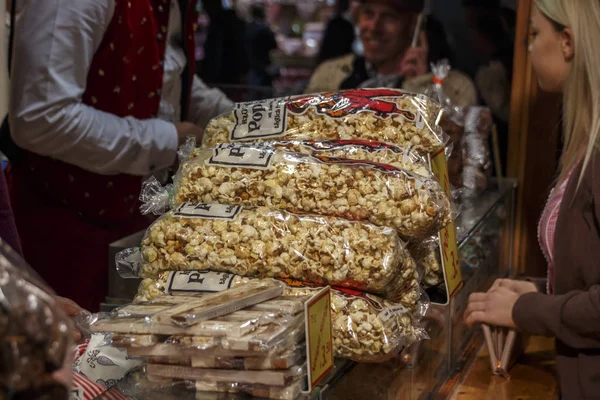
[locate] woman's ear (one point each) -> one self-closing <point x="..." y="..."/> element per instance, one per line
<point x="567" y="44"/>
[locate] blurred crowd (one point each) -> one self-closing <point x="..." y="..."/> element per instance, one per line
<point x="360" y="43"/>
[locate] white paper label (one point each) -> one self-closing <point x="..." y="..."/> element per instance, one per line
<point x="262" y="119"/>
<point x="199" y="282"/>
<point x="208" y="211"/>
<point x="237" y="155"/>
<point x="106" y="365"/>
<point x="392" y="312"/>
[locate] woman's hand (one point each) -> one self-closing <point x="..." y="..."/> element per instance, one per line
<point x="493" y="308"/>
<point x="520" y="287"/>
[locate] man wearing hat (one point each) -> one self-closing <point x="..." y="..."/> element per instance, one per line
<point x="386" y="29"/>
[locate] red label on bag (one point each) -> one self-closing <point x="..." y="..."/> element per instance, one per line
<point x="341" y="104"/>
<point x="341" y="291"/>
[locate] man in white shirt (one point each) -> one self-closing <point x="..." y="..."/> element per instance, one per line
<point x="103" y="93"/>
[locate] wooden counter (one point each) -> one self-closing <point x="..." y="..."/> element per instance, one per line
<point x="532" y="378"/>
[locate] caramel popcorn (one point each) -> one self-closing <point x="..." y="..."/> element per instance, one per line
<point x="270" y="243"/>
<point x="434" y="274"/>
<point x="249" y="175"/>
<point x="367" y="328"/>
<point x="385" y="115"/>
<point x="404" y="158"/>
<point x="427" y="255"/>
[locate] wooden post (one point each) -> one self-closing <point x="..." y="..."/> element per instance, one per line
<point x="533" y="148"/>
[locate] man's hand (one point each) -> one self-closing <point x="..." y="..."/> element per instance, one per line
<point x="414" y="63"/>
<point x="187" y="129"/>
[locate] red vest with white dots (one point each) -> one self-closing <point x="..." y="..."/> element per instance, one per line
<point x="125" y="79"/>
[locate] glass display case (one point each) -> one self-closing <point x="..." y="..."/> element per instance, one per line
<point x="431" y="368"/>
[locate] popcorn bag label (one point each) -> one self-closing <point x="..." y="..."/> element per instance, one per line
<point x="347" y="293"/>
<point x="392" y="312"/>
<point x="268" y="119"/>
<point x="241" y="156"/>
<point x="199" y="282"/>
<point x="208" y="211"/>
<point x="259" y="120"/>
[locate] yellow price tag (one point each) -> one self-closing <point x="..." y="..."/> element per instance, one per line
<point x="319" y="336"/>
<point x="448" y="243"/>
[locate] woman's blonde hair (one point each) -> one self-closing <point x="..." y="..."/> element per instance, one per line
<point x="581" y="106"/>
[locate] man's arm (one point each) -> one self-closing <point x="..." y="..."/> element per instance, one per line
<point x="54" y="46"/>
<point x="207" y="103"/>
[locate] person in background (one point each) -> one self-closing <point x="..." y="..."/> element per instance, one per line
<point x="260" y="41"/>
<point x="339" y="35"/>
<point x="103" y="94"/>
<point x="386" y="29"/>
<point x="493" y="34"/>
<point x="225" y="54"/>
<point x="565" y="58"/>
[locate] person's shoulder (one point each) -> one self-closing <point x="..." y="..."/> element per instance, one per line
<point x="457" y="86"/>
<point x="460" y="88"/>
<point x="343" y="63"/>
<point x="458" y="77"/>
<point x="330" y="74"/>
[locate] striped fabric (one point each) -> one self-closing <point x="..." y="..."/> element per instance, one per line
<point x="84" y="389"/>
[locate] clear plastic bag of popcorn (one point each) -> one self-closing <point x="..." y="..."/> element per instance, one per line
<point x="157" y="199"/>
<point x="384" y="115"/>
<point x="402" y="157"/>
<point x="427" y="255"/>
<point x="35" y="334"/>
<point x="250" y="175"/>
<point x="366" y="328"/>
<point x="267" y="243"/>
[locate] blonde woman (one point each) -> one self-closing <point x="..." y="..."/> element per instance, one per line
<point x="566" y="58"/>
